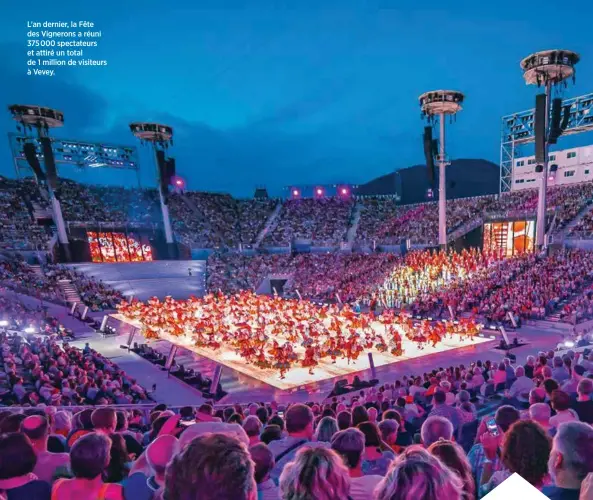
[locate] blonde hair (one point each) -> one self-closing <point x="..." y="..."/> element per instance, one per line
<point x="315" y="474"/>
<point x="417" y="474"/>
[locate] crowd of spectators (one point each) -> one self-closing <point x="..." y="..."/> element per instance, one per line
<point x="17" y="230"/>
<point x="92" y="204"/>
<point x="43" y="282"/>
<point x="42" y="368"/>
<point x="453" y="433"/>
<point x="221" y="220"/>
<point x="323" y="221"/>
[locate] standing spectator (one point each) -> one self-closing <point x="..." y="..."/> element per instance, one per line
<point x="559" y="371"/>
<point x="264" y="463"/>
<point x="17" y="462"/>
<point x="389" y="428"/>
<point x="453" y="456"/>
<point x="350" y="445"/>
<point x="36" y="428"/>
<point x="104" y="420"/>
<point x="211" y="467"/>
<point x="89" y="458"/>
<point x="571" y="459"/>
<point x="315" y="474"/>
<point x="416" y="474"/>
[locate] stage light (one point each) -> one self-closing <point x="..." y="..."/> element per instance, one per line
<point x="4" y="322"/>
<point x="568" y="343"/>
<point x="295" y="192"/>
<point x="319" y="191"/>
<point x="29" y="329"/>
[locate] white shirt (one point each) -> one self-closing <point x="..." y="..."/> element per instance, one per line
<point x="563" y="416"/>
<point x="362" y="488"/>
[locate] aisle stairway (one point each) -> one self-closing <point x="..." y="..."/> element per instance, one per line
<point x="351" y="234"/>
<point x="40" y="213"/>
<point x="270" y="225"/>
<point x="561" y="235"/>
<point x="69" y="291"/>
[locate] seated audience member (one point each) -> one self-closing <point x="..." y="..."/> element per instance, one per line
<point x="264" y="463"/>
<point x="147" y="476"/>
<point x="521" y="387"/>
<point x="584" y="404"/>
<point x="17" y="462"/>
<point x="299" y="426"/>
<point x="326" y="428"/>
<point x="119" y="460"/>
<point x="442" y="409"/>
<point x="315" y="474"/>
<point x="36" y="428"/>
<point x="571" y="460"/>
<point x="89" y="459"/>
<point x="344" y="420"/>
<point x="211" y="467"/>
<point x="435" y="428"/>
<point x="104" y="420"/>
<point x="252" y="426"/>
<point x="541" y="413"/>
<point x="416" y="474"/>
<point x="388" y="429"/>
<point x="377" y="456"/>
<point x="453" y="456"/>
<point x="525" y="451"/>
<point x="271" y="432"/>
<point x="350" y="445"/>
<point x="560" y="402"/>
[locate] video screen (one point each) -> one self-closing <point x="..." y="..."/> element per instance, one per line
<point x="118" y="247"/>
<point x="511" y="237"/>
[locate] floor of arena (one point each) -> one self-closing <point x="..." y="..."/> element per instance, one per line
<point x="297" y="376"/>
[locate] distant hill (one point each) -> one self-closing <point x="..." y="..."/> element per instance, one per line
<point x="465" y="177"/>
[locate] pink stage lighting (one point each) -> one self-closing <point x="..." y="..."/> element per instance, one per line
<point x="296" y="193"/>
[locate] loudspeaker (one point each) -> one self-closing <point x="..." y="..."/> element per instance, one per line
<point x="428" y="153"/>
<point x="163" y="167"/>
<point x="50" y="165"/>
<point x="540" y="128"/>
<point x="33" y="161"/>
<point x="555" y="130"/>
<point x="565" y="118"/>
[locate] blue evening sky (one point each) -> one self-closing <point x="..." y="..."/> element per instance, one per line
<point x="276" y="93"/>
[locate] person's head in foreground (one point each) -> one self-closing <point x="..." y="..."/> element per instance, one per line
<point x="416" y="474"/>
<point x="571" y="458"/>
<point x="525" y="450"/>
<point x="315" y="474"/>
<point x="453" y="456"/>
<point x="211" y="467"/>
<point x="435" y="428"/>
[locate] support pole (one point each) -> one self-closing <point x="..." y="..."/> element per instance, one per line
<point x="171" y="247"/>
<point x="442" y="186"/>
<point x="541" y="201"/>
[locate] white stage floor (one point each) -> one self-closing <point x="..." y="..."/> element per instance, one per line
<point x="297" y="376"/>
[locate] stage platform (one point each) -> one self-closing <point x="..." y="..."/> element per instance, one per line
<point x="298" y="377"/>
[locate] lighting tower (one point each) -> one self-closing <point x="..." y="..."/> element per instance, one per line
<point x="435" y="105"/>
<point x="548" y="68"/>
<point x="160" y="137"/>
<point x="40" y="119"/>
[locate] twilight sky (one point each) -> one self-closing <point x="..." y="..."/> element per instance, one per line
<point x="276" y="93"/>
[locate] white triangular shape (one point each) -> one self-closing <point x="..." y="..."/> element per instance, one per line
<point x="515" y="487"/>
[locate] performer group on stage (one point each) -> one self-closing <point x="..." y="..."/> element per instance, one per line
<point x="272" y="332"/>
